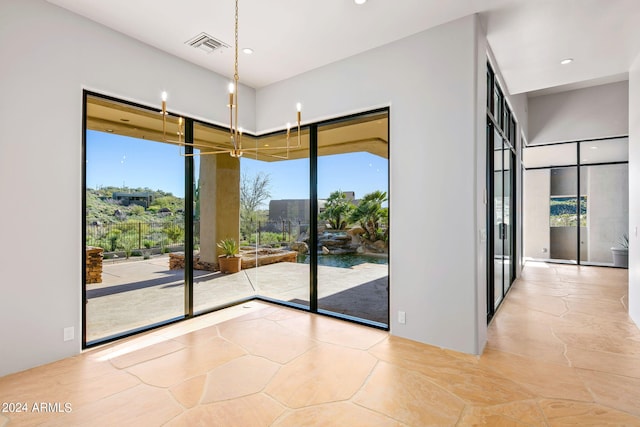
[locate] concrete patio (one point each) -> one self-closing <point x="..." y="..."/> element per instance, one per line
<point x="138" y="293"/>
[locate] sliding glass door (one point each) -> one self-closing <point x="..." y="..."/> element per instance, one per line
<point x="134" y="222"/>
<point x="502" y="236"/>
<point x="604" y="173"/>
<point x="501" y="133"/>
<point x="353" y="218"/>
<point x="576" y="202"/>
<point x="275" y="213"/>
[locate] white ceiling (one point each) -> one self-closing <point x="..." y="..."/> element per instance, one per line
<point x="289" y="37"/>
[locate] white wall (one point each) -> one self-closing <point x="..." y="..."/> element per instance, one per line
<point x="594" y="112"/>
<point x="537" y="185"/>
<point x="607" y="209"/>
<point x="48" y="56"/>
<point x="480" y="145"/>
<point x="431" y="82"/>
<point x="634" y="191"/>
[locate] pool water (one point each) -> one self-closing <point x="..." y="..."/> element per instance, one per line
<point x="345" y="261"/>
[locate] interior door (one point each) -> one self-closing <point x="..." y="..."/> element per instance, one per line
<point x="499" y="224"/>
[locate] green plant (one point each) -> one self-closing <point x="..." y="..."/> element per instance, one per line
<point x="371" y="215"/>
<point x="163" y="245"/>
<point x="337" y="209"/>
<point x="114" y="237"/>
<point x="128" y="246"/>
<point x="229" y="247"/>
<point x="269" y="237"/>
<point x="624" y="241"/>
<point x="136" y="210"/>
<point x="174" y="231"/>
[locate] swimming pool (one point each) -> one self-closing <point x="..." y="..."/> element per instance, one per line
<point x="346" y="260"/>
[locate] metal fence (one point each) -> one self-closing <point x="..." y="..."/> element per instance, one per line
<point x="166" y="236"/>
<point x="275" y="231"/>
<point x="131" y="236"/>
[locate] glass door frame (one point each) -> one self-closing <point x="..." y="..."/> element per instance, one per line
<point x="188" y="224"/>
<point x="500" y="121"/>
<point x="578" y="164"/>
<point x="508" y="276"/>
<point x="313" y="222"/>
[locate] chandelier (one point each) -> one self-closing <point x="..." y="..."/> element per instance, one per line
<point x="235" y="148"/>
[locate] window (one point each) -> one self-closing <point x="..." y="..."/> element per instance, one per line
<point x="155" y="215"/>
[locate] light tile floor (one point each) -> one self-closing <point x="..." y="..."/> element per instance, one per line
<point x="561" y="351"/>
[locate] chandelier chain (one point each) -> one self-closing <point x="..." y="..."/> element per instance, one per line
<point x="235" y="76"/>
<point x="235" y="132"/>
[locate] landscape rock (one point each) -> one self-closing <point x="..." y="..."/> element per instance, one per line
<point x="355" y="231"/>
<point x="300" y="247"/>
<point x="379" y="244"/>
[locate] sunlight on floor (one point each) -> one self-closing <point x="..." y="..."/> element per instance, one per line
<point x="111" y="351"/>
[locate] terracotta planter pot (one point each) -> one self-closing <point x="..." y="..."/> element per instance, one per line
<point x="230" y="264"/>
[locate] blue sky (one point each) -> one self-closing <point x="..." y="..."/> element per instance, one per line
<point x="114" y="160"/>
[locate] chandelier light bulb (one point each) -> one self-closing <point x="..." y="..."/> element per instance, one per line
<point x="232" y="88"/>
<point x="288" y="126"/>
<point x="299" y="107"/>
<point x="164" y="96"/>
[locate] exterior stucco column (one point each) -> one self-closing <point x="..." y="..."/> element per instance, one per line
<point x="219" y="203"/>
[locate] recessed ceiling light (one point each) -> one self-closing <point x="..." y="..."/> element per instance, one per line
<point x="247" y="50"/>
<point x="566" y="61"/>
<point x="593" y="147"/>
<point x="109" y="130"/>
<point x="360" y="1"/>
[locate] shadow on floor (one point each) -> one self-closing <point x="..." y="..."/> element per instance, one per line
<point x="369" y="301"/>
<point x="172" y="279"/>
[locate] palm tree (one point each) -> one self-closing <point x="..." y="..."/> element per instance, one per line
<point x="371" y="215"/>
<point x="337" y="210"/>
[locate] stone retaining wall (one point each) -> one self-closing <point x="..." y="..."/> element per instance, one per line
<point x="93" y="273"/>
<point x="176" y="260"/>
<point x="249" y="260"/>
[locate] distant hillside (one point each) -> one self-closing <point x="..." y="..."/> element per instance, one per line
<point x="103" y="209"/>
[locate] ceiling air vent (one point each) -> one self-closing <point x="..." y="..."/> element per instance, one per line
<point x="205" y="42"/>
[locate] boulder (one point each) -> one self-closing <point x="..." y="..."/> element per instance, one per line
<point x="300" y="247"/>
<point x="332" y="243"/>
<point x="379" y="244"/>
<point x="355" y="231"/>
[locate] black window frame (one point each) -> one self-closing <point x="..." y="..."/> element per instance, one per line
<point x="189" y="183"/>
